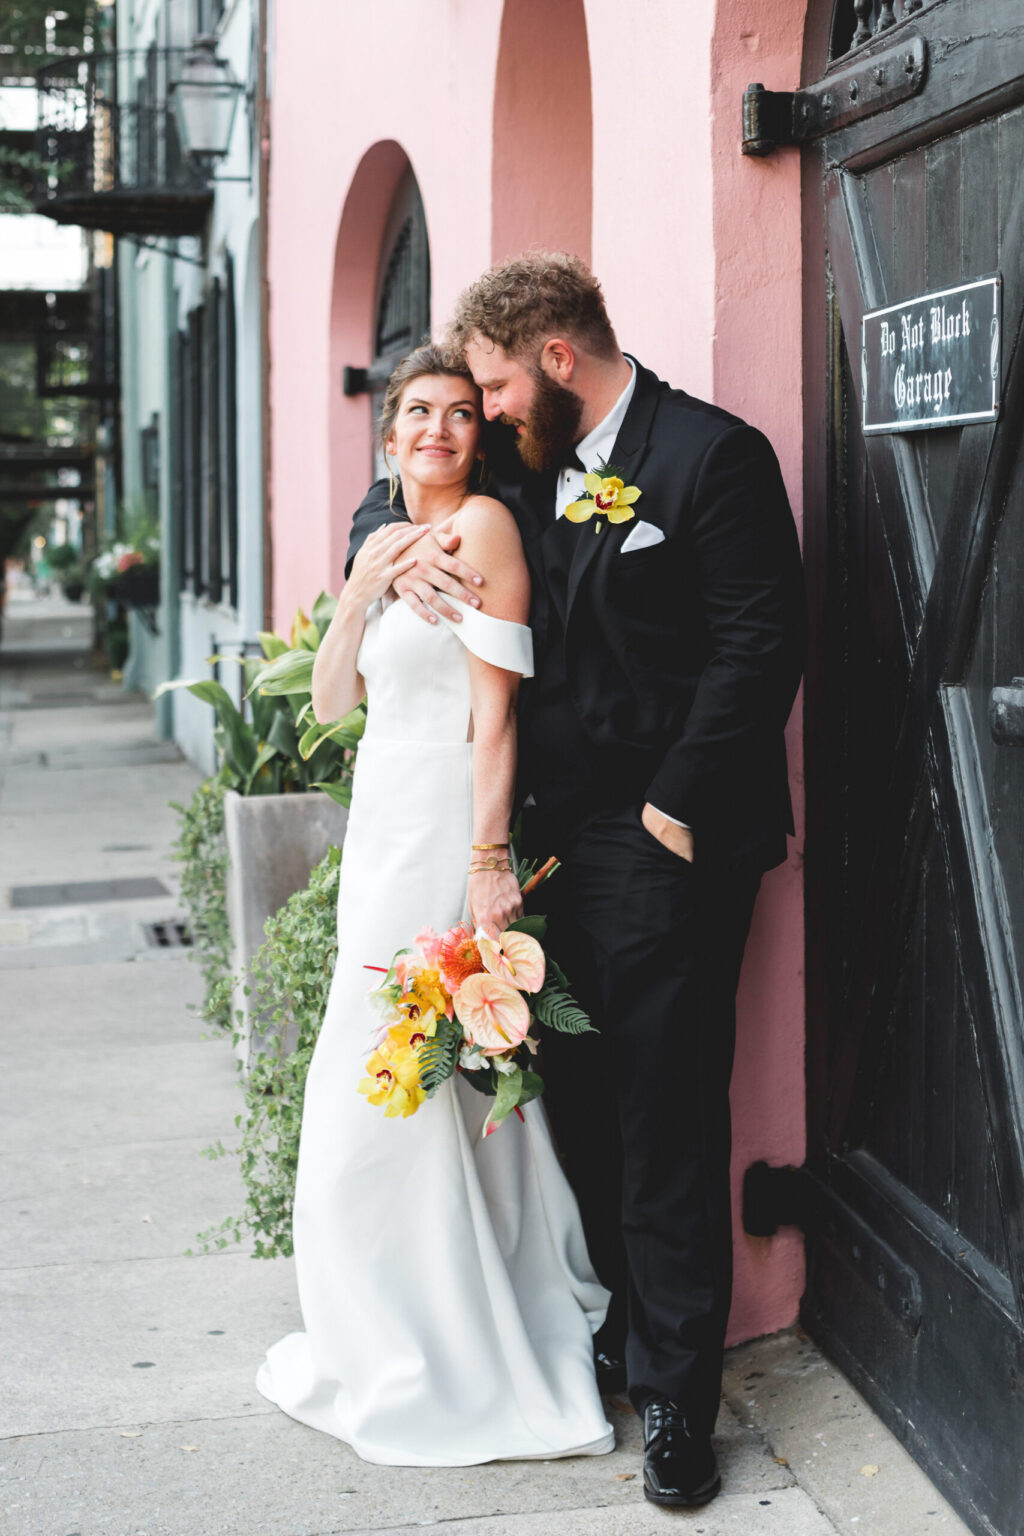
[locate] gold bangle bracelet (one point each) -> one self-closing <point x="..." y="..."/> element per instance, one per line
<point x="484" y="847"/>
<point x="493" y="866"/>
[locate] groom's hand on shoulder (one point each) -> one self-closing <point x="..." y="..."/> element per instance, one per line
<point x="670" y="834"/>
<point x="436" y="573"/>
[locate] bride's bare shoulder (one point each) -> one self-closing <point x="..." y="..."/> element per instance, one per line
<point x="490" y="543"/>
<point x="483" y="515"/>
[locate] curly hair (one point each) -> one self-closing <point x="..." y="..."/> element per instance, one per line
<point x="521" y="303"/>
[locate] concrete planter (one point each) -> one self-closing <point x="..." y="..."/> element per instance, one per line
<point x="273" y="842"/>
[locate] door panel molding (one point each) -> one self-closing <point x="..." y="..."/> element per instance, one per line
<point x="993" y="991"/>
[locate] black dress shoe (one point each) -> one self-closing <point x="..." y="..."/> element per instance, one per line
<point x="679" y="1467"/>
<point x="611" y="1373"/>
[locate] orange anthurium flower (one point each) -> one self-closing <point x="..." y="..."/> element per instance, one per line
<point x="492" y="1012"/>
<point x="394" y="1081"/>
<point x="517" y="957"/>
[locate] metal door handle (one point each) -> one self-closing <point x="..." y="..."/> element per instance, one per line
<point x="1006" y="714"/>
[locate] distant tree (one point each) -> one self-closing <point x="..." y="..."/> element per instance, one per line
<point x="33" y="31"/>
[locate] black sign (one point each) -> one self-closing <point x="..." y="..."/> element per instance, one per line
<point x="933" y="361"/>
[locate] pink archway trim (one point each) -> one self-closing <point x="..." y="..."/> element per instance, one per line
<point x="353" y="299"/>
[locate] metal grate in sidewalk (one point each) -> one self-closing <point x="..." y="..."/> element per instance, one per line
<point x="171" y="933"/>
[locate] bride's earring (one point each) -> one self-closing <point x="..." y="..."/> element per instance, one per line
<point x="389" y="451"/>
<point x="482" y="473"/>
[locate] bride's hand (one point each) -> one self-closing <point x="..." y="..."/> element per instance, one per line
<point x="495" y="900"/>
<point x="381" y="559"/>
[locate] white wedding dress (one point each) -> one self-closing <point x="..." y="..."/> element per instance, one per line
<point x="448" y="1299"/>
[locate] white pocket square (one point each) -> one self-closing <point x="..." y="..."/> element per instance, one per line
<point x="640" y="536"/>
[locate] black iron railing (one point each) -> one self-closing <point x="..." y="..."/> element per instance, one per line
<point x="857" y="22"/>
<point x="77" y="354"/>
<point x="108" y="139"/>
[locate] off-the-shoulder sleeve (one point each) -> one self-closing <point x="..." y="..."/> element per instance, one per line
<point x="497" y="641"/>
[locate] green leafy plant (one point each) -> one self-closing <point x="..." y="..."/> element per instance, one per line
<point x="288" y="983"/>
<point x="282" y="748"/>
<point x="62" y="557"/>
<point x="202" y="852"/>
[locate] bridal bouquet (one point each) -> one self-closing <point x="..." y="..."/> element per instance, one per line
<point x="465" y="1002"/>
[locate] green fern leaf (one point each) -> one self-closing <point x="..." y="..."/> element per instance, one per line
<point x="439" y="1056"/>
<point x="561" y="1012"/>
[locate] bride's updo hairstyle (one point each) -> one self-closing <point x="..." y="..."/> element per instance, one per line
<point x="427" y="361"/>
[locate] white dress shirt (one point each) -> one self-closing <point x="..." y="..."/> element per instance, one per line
<point x="594" y="449"/>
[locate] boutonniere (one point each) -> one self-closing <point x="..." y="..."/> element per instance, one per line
<point x="607" y="496"/>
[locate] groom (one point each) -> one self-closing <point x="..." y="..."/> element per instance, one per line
<point x="668" y="621"/>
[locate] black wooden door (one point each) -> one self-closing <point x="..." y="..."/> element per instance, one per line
<point x="915" y="860"/>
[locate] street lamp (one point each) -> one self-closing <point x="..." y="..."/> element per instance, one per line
<point x="205" y="101"/>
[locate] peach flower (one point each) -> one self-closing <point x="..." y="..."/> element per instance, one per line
<point x="492" y="1012"/>
<point x="516" y="957"/>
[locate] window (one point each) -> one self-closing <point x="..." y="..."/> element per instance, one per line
<point x="149" y="454"/>
<point x="205" y="475"/>
<point x="228" y="440"/>
<point x="403" y="295"/>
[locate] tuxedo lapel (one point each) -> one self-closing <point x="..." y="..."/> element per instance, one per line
<point x="534" y="510"/>
<point x="530" y="497"/>
<point x="628" y="455"/>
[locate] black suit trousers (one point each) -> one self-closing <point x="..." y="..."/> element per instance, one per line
<point x="652" y="946"/>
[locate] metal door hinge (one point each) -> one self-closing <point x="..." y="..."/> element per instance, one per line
<point x="773" y="118"/>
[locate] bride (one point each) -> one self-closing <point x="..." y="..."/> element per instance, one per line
<point x="448" y="1300"/>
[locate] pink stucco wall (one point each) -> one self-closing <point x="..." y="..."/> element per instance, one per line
<point x="757" y="328"/>
<point x="699" y="253"/>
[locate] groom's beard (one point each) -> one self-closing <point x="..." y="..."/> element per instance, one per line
<point x="551" y="430"/>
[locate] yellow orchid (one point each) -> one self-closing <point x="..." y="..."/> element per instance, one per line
<point x="608" y="497"/>
<point x="394" y="1081"/>
<point x="421" y="989"/>
<point x="411" y="1034"/>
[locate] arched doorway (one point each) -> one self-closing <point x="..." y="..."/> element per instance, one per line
<point x="380" y="307"/>
<point x="914" y="547"/>
<point x="542" y="158"/>
<point x="402" y="319"/>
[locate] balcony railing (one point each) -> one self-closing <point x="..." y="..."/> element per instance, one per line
<point x="109" y="141"/>
<point x="856" y="22"/>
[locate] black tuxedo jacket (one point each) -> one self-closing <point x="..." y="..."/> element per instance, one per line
<point x="689" y="650"/>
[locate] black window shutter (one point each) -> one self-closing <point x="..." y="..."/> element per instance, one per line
<point x="229" y="436"/>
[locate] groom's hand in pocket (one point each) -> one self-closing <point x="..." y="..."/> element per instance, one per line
<point x="438" y="573"/>
<point x="670" y="834"/>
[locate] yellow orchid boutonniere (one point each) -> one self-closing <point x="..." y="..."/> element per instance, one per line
<point x="607" y="496"/>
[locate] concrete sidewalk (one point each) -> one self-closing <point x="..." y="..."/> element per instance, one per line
<point x="128" y="1406"/>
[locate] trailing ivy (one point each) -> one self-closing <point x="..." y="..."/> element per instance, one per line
<point x="202" y="852"/>
<point x="288" y="985"/>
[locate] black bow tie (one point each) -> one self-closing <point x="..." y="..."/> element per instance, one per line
<point x="571" y="460"/>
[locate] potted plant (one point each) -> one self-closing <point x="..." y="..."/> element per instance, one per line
<point x="287" y="783"/>
<point x="66" y="565"/>
<point x="128" y="572"/>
